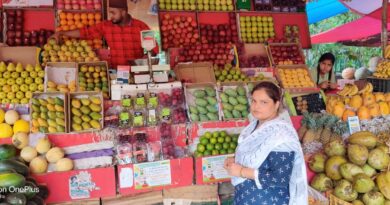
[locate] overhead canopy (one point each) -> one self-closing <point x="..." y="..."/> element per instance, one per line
<point x="372" y="8"/>
<point x="358" y="29"/>
<point x="323" y="9"/>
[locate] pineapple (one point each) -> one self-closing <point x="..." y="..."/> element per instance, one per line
<point x="310" y="134"/>
<point x="327" y="131"/>
<point x="302" y="130"/>
<point x="320" y="125"/>
<point x="338" y="130"/>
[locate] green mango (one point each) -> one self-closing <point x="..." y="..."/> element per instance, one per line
<point x="211" y="100"/>
<point x="202" y="110"/>
<point x="95" y="124"/>
<point x="224" y="98"/>
<point x="241" y="91"/>
<point x="233" y="101"/>
<point x="227" y="114"/>
<point x="212" y="108"/>
<point x="95" y="108"/>
<point x="242" y="100"/>
<point x="231" y="92"/>
<point x="194" y="117"/>
<point x="52" y="115"/>
<point x="85" y="118"/>
<point x="201" y="102"/>
<point x="193" y="109"/>
<point x="60" y="115"/>
<point x="59" y="101"/>
<point x="199" y="93"/>
<point x="227" y="106"/>
<point x="95" y="116"/>
<point x="77" y="120"/>
<point x="236" y="114"/>
<point x="203" y="118"/>
<point x="85" y="110"/>
<point x="210" y="91"/>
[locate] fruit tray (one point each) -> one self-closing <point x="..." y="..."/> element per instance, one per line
<point x="85" y="111"/>
<point x="103" y="80"/>
<point x="202" y="104"/>
<point x="312" y="103"/>
<point x="300" y="81"/>
<point x="61" y="77"/>
<point x="48" y="113"/>
<point x="380" y="84"/>
<point x="285" y="53"/>
<point x="233" y="98"/>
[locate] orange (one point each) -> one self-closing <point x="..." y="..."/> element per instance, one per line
<point x="89" y="42"/>
<point x="65" y="28"/>
<point x="97" y="40"/>
<point x="69" y="16"/>
<point x="72" y="27"/>
<point x="91" y="22"/>
<point x="63" y="22"/>
<point x="76" y="16"/>
<point x="79" y="25"/>
<point x="96" y="46"/>
<point x="98" y="16"/>
<point x="97" y="21"/>
<point x="91" y="16"/>
<point x="84" y="16"/>
<point x="84" y="21"/>
<point x="70" y="22"/>
<point x="62" y="15"/>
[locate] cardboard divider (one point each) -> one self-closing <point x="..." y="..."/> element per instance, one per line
<point x="22" y="54"/>
<point x="79" y="184"/>
<point x="61" y="73"/>
<point x="181" y="174"/>
<point x="196" y="72"/>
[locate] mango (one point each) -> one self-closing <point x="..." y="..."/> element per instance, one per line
<point x="52" y="130"/>
<point x="50" y="100"/>
<point x="77" y="120"/>
<point x="227" y="106"/>
<point x="59" y="101"/>
<point x="95" y="116"/>
<point x="51" y="115"/>
<point x="200" y="102"/>
<point x="241" y="91"/>
<point x="236" y="114"/>
<point x="224" y="98"/>
<point x="85" y="118"/>
<point x="227" y="114"/>
<point x="210" y="91"/>
<point x="194" y="117"/>
<point x="95" y="108"/>
<point x="211" y="100"/>
<point x="51" y="107"/>
<point x="43" y="130"/>
<point x="242" y="100"/>
<point x="42" y="122"/>
<point x="212" y="108"/>
<point x="193" y="109"/>
<point x="44" y="115"/>
<point x="76" y="103"/>
<point x="212" y="116"/>
<point x="96" y="100"/>
<point x="85" y="101"/>
<point x="244" y="114"/>
<point x="200" y="93"/>
<point x="42" y="102"/>
<point x="85" y="110"/>
<point x="35" y="115"/>
<point x="60" y="115"/>
<point x="231" y="92"/>
<point x="35" y="123"/>
<point x="95" y="124"/>
<point x="60" y="121"/>
<point x="239" y="107"/>
<point x="59" y="108"/>
<point x="35" y="108"/>
<point x="35" y="101"/>
<point x="233" y="101"/>
<point x="86" y="126"/>
<point x="203" y="118"/>
<point x="60" y="128"/>
<point x="202" y="110"/>
<point x="76" y="127"/>
<point x="76" y="112"/>
<point x="51" y="123"/>
<point x="43" y="109"/>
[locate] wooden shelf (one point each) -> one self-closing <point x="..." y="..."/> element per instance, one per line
<point x="79" y="11"/>
<point x="30" y="8"/>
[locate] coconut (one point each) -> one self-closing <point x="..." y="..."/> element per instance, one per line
<point x="349" y="170"/>
<point x="332" y="167"/>
<point x="387" y="202"/>
<point x="321" y="182"/>
<point x="362" y="183"/>
<point x="373" y="198"/>
<point x="383" y="183"/>
<point x="368" y="170"/>
<point x="378" y="159"/>
<point x="357" y="202"/>
<point x="317" y="163"/>
<point x="335" y="148"/>
<point x="344" y="191"/>
<point x="357" y="154"/>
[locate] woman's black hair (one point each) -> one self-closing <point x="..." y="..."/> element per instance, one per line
<point x="272" y="90"/>
<point x="325" y="56"/>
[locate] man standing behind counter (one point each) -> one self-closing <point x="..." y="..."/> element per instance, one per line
<point x="122" y="33"/>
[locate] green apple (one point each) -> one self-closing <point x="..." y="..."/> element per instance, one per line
<point x="38" y="81"/>
<point x="33" y="74"/>
<point x="19" y="95"/>
<point x="41" y="87"/>
<point x="23" y="88"/>
<point x="19" y="81"/>
<point x="24" y="101"/>
<point x="24" y="74"/>
<point x="15" y="74"/>
<point x="33" y="87"/>
<point x="10" y="81"/>
<point x="5" y="101"/>
<point x="41" y="74"/>
<point x="3" y="81"/>
<point x="15" y="88"/>
<point x="11" y="67"/>
<point x="28" y="94"/>
<point x="7" y="74"/>
<point x="10" y="95"/>
<point x="3" y="95"/>
<point x="28" y="80"/>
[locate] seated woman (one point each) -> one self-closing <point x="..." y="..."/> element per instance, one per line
<point x="323" y="75"/>
<point x="268" y="167"/>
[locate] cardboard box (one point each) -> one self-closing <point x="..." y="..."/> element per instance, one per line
<point x="80" y="95"/>
<point x="196" y="72"/>
<point x="82" y="202"/>
<point x="61" y="73"/>
<point x="233" y="85"/>
<point x="300" y="89"/>
<point x="46" y="95"/>
<point x="79" y="184"/>
<point x="191" y="194"/>
<point x="23" y="54"/>
<point x="101" y="64"/>
<point x="272" y="62"/>
<point x="151" y="198"/>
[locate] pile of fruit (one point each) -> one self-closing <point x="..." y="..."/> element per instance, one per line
<point x="15" y="173"/>
<point x="94" y="78"/>
<point x="229" y="74"/>
<point x="234" y="102"/>
<point x="291" y="33"/>
<point x="219" y="54"/>
<point x="71" y="21"/>
<point x="10" y="124"/>
<point x="86" y="113"/>
<point x="65" y="88"/>
<point x="253" y="61"/>
<point x="356" y="172"/>
<point x="382" y="69"/>
<point x="215" y="5"/>
<point x="256" y="29"/>
<point x="216" y="143"/>
<point x="364" y="104"/>
<point x="178" y="31"/>
<point x="204" y="107"/>
<point x="221" y="33"/>
<point x="286" y="55"/>
<point x="312" y="103"/>
<point x="17" y="83"/>
<point x="177" y="5"/>
<point x="70" y="51"/>
<point x="48" y="114"/>
<point x="79" y="5"/>
<point x="295" y="78"/>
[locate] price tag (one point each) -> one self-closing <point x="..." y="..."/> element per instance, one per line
<point x="124" y="116"/>
<point x="148" y="42"/>
<point x="353" y="124"/>
<point x="126" y="102"/>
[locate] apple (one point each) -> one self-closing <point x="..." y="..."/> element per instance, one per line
<point x="28" y="80"/>
<point x="3" y="81"/>
<point x="10" y="95"/>
<point x="10" y="81"/>
<point x="33" y="87"/>
<point x="19" y="81"/>
<point x="23" y="87"/>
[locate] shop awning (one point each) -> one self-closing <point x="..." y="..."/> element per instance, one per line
<point x="323" y="9"/>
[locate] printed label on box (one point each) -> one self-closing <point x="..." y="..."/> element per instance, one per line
<point x="353" y="124"/>
<point x="126" y="178"/>
<point x="81" y="185"/>
<point x="212" y="168"/>
<point x="152" y="174"/>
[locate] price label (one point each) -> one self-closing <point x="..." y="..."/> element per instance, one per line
<point x="353" y="124"/>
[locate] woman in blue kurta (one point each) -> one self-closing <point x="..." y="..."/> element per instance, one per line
<point x="268" y="167"/>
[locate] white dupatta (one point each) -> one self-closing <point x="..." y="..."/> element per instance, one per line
<point x="274" y="135"/>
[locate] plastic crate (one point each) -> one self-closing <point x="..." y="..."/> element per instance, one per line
<point x="380" y="85"/>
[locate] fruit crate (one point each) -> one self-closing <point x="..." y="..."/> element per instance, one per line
<point x="313" y="101"/>
<point x="56" y="113"/>
<point x="193" y="105"/>
<point x="311" y="87"/>
<point x="231" y="105"/>
<point x="103" y="76"/>
<point x="196" y="72"/>
<point x="61" y="74"/>
<point x="380" y="84"/>
<point x="85" y="114"/>
<point x="295" y="47"/>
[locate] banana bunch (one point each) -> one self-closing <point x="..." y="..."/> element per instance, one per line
<point x="382" y="69"/>
<point x="387" y="51"/>
<point x="368" y="88"/>
<point x="349" y="90"/>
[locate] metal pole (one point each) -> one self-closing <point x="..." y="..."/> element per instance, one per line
<point x="384" y="27"/>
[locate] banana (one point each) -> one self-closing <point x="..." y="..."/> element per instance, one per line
<point x="354" y="91"/>
<point x="344" y="92"/>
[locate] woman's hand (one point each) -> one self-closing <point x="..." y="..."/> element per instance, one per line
<point x="333" y="85"/>
<point x="324" y="85"/>
<point x="234" y="169"/>
<point x="228" y="162"/>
